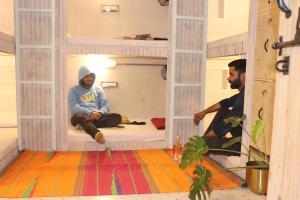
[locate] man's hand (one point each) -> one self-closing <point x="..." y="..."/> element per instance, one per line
<point x="198" y="117"/>
<point x="95" y="115"/>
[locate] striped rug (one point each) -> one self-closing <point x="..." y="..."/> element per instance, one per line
<point x="40" y="174"/>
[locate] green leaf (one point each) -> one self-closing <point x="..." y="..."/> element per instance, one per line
<point x="235" y="121"/>
<point x="231" y="142"/>
<point x="257" y="130"/>
<point x="201" y="187"/>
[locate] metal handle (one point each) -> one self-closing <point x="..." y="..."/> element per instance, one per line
<point x="285" y="65"/>
<point x="259" y="112"/>
<point x="284" y="8"/>
<point x="265" y="45"/>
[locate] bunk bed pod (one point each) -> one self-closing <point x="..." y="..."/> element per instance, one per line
<point x="138" y="93"/>
<point x="8" y="121"/>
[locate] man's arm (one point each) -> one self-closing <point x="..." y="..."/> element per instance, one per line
<point x="200" y="115"/>
<point x="74" y="105"/>
<point x="103" y="104"/>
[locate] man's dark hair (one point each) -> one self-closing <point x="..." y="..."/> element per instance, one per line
<point x="239" y="64"/>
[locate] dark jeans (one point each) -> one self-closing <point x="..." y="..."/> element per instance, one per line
<point x="216" y="142"/>
<point x="90" y="127"/>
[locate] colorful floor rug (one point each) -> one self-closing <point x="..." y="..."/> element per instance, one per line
<point x="40" y="174"/>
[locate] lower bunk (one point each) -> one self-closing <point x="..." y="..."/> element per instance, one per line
<point x="129" y="137"/>
<point x="8" y="147"/>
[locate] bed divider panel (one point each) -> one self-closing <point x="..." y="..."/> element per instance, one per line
<point x="186" y="67"/>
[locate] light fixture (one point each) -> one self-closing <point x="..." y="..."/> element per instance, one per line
<point x="110" y="8"/>
<point x="99" y="64"/>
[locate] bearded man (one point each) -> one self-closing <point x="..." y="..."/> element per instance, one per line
<point x="229" y="107"/>
<point x="89" y="107"/>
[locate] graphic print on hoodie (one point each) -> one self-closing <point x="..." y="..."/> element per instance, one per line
<point x="87" y="100"/>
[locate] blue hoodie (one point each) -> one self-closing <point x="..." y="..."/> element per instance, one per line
<point x="82" y="100"/>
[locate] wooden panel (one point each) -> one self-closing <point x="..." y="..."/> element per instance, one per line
<point x="195" y="8"/>
<point x="267" y="34"/>
<point x="35" y="28"/>
<point x="263" y="106"/>
<point x="42" y="4"/>
<point x="9" y="157"/>
<point x="285" y="160"/>
<point x="37" y="134"/>
<point x="229" y="46"/>
<point x="187" y="100"/>
<point x="35" y="65"/>
<point x="61" y="92"/>
<point x="118" y="47"/>
<point x="265" y="70"/>
<point x="185" y="129"/>
<point x="188" y="68"/>
<point x="190" y="35"/>
<point x="265" y="5"/>
<point x="7" y="43"/>
<point x="36" y="99"/>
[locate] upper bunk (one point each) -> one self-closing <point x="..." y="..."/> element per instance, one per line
<point x="229" y="46"/>
<point x="144" y="48"/>
<point x="233" y="45"/>
<point x="7" y="43"/>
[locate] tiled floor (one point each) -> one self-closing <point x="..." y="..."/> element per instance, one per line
<point x="236" y="194"/>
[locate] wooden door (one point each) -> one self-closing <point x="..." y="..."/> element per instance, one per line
<point x="284" y="177"/>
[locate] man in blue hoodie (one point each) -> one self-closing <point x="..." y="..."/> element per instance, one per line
<point x="89" y="107"/>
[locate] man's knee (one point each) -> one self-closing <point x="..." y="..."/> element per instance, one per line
<point x="79" y="118"/>
<point x="212" y="141"/>
<point x="117" y="118"/>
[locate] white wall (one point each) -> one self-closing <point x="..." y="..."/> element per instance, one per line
<point x="85" y="18"/>
<point x="235" y="19"/>
<point x="7" y="17"/>
<point x="140" y="92"/>
<point x="8" y="109"/>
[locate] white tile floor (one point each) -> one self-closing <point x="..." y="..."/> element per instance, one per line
<point x="235" y="194"/>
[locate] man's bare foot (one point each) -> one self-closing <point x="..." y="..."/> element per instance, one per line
<point x="99" y="138"/>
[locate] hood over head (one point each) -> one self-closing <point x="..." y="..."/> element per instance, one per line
<point x="83" y="71"/>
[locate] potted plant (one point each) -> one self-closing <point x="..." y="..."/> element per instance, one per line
<point x="257" y="167"/>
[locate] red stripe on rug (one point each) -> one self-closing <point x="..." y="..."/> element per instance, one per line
<point x="137" y="174"/>
<point x="89" y="186"/>
<point x="105" y="173"/>
<point x="122" y="173"/>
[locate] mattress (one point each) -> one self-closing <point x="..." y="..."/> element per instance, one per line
<point x="143" y="133"/>
<point x="8" y="140"/>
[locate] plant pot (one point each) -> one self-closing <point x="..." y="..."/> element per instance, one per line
<point x="257" y="177"/>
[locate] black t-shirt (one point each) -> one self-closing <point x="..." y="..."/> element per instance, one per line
<point x="236" y="103"/>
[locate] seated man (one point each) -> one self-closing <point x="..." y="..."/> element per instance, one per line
<point x="89" y="107"/>
<point x="215" y="133"/>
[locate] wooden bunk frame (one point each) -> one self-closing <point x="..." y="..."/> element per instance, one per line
<point x="7" y="43"/>
<point x="149" y="48"/>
